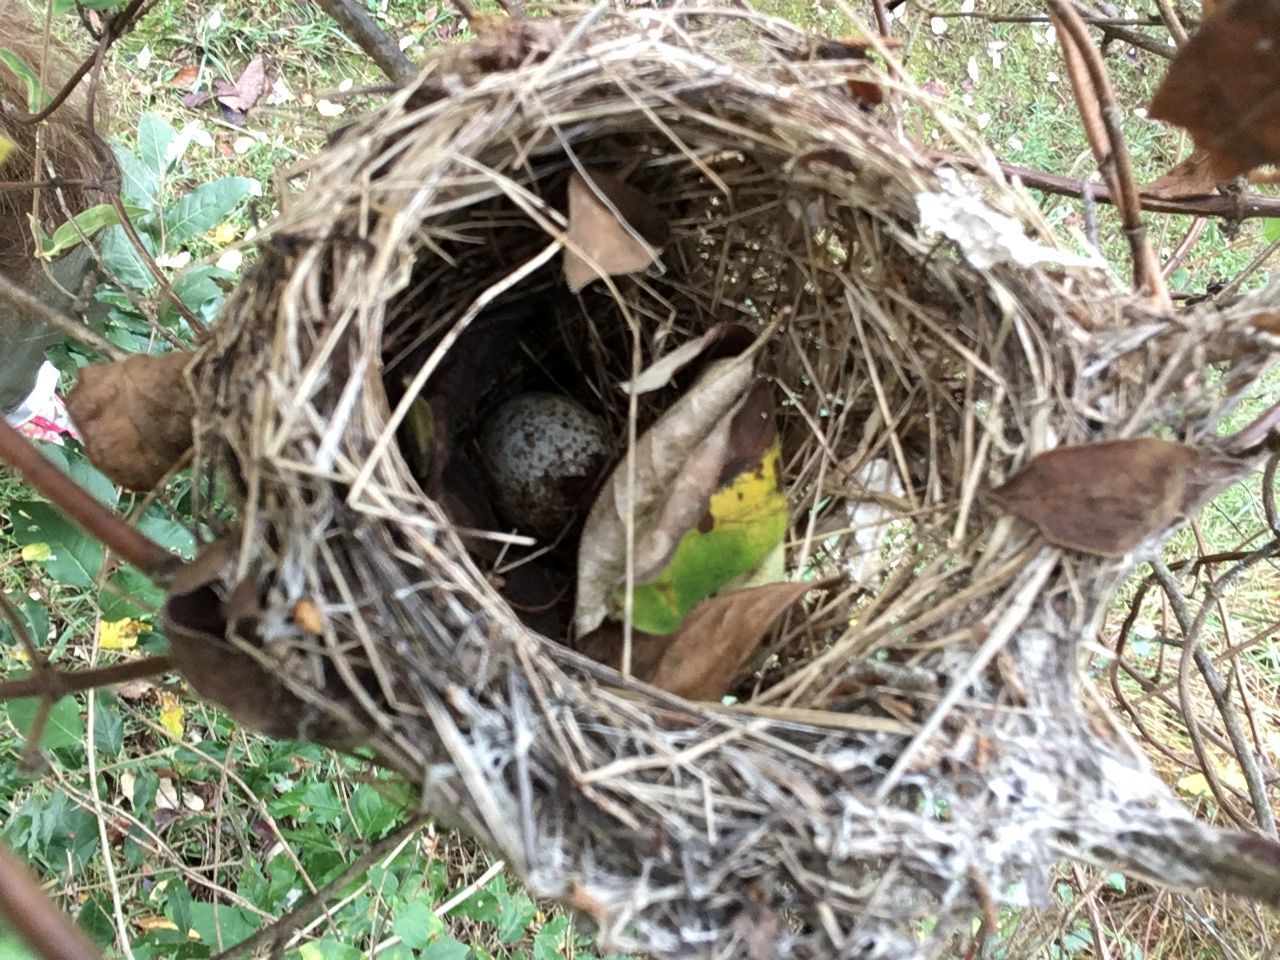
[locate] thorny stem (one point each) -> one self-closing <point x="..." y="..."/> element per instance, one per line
<point x="1073" y="33"/>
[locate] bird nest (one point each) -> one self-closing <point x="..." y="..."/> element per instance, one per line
<point x="908" y="747"/>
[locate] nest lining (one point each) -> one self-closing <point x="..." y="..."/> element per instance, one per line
<point x="914" y="748"/>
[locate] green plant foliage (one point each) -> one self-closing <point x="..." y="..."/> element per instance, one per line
<point x="37" y="100"/>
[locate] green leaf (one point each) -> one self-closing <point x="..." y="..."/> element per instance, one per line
<point x="328" y="949"/>
<point x="199" y="289"/>
<point x="154" y="137"/>
<point x="138" y="184"/>
<point x="1271" y="229"/>
<point x="123" y="260"/>
<point x="84" y="224"/>
<point x="221" y="925"/>
<point x="108" y="724"/>
<point x="203" y="209"/>
<point x="129" y="593"/>
<point x="745" y="521"/>
<point x="64" y="728"/>
<point x="76" y="557"/>
<point x="313" y="802"/>
<point x="446" y="948"/>
<point x="36" y="98"/>
<point x="515" y="913"/>
<point x="170" y="534"/>
<point x="549" y="942"/>
<point x="374" y="815"/>
<point x="86" y="475"/>
<point x="416" y="924"/>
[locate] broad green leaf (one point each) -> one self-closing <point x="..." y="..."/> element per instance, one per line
<point x="154" y="137"/>
<point x="76" y="557"/>
<point x="36" y="98"/>
<point x="123" y="260"/>
<point x="138" y="184"/>
<point x="446" y="948"/>
<point x="86" y="475"/>
<point x="170" y="534"/>
<point x="65" y="727"/>
<point x="549" y="942"/>
<point x="744" y="523"/>
<point x="328" y="949"/>
<point x="222" y="925"/>
<point x="203" y="209"/>
<point x="108" y="724"/>
<point x="373" y="813"/>
<point x="1271" y="229"/>
<point x="515" y="912"/>
<point x="416" y="924"/>
<point x="129" y="594"/>
<point x="200" y="290"/>
<point x="83" y="224"/>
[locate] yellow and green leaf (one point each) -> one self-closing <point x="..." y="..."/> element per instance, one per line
<point x="745" y="523"/>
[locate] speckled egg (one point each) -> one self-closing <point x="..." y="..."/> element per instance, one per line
<point x="544" y="453"/>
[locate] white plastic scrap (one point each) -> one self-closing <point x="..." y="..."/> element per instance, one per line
<point x="985" y="236"/>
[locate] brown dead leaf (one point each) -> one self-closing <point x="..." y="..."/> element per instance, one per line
<point x="1101" y="498"/>
<point x="1224" y="87"/>
<point x="1190" y="178"/>
<point x="186" y="76"/>
<point x="244" y="93"/>
<point x="704" y="657"/>
<point x="135" y="416"/>
<point x="613" y="229"/>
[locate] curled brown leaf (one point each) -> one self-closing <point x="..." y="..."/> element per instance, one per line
<point x="613" y="229"/>
<point x="135" y="416"/>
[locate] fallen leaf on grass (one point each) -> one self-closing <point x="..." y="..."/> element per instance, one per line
<point x="186" y="76"/>
<point x="1224" y="87"/>
<point x="721" y="432"/>
<point x="705" y="656"/>
<point x="613" y="229"/>
<point x="1102" y="498"/>
<point x="172" y="714"/>
<point x="135" y="416"/>
<point x="1190" y="178"/>
<point x="252" y="84"/>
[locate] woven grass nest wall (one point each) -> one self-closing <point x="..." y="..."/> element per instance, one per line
<point x="910" y="746"/>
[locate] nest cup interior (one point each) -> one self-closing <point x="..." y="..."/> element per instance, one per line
<point x="793" y="216"/>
